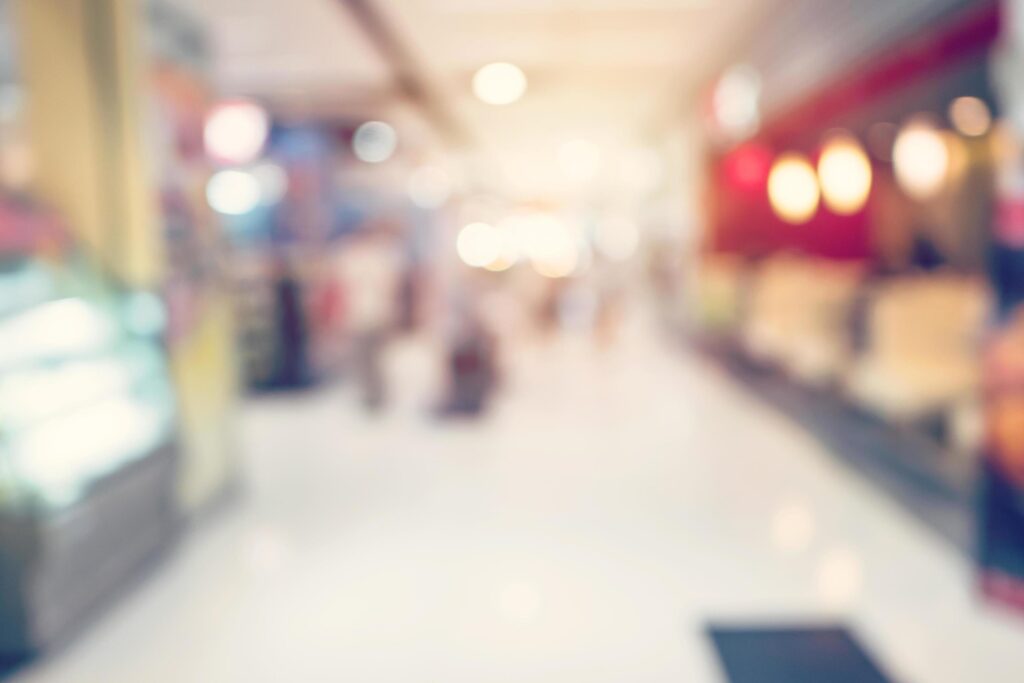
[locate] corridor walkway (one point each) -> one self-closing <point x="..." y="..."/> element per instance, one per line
<point x="585" y="532"/>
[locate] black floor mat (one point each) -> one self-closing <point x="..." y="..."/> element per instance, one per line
<point x="793" y="655"/>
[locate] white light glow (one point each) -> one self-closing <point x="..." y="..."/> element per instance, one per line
<point x="60" y="456"/>
<point x="478" y="245"/>
<point x="499" y="83"/>
<point x="921" y="159"/>
<point x="233" y="193"/>
<point x="551" y="246"/>
<point x="30" y="396"/>
<point x="236" y="131"/>
<point x="374" y="142"/>
<point x="793" y="188"/>
<point x="509" y="250"/>
<point x="59" y="328"/>
<point x="845" y="174"/>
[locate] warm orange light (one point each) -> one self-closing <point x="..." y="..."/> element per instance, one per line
<point x="971" y="116"/>
<point x="921" y="159"/>
<point x="793" y="188"/>
<point x="844" y="172"/>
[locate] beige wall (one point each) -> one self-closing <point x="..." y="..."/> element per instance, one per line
<point x="82" y="67"/>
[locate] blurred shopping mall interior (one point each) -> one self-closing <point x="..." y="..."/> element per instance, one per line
<point x="506" y="341"/>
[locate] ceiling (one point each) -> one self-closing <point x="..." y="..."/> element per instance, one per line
<point x="613" y="72"/>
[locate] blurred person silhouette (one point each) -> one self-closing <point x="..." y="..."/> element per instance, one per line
<point x="370" y="269"/>
<point x="925" y="253"/>
<point x="471" y="363"/>
<point x="291" y="364"/>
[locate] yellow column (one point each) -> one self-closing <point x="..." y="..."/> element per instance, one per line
<point x="82" y="66"/>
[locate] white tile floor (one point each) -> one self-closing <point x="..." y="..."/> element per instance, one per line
<point x="584" y="533"/>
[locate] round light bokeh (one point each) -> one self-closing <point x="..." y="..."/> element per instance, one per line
<point x="793" y="188"/>
<point x="236" y="131"/>
<point x="737" y="101"/>
<point x="971" y="116"/>
<point x="508" y="251"/>
<point x="552" y="247"/>
<point x="844" y="172"/>
<point x="921" y="159"/>
<point x="233" y="193"/>
<point x="374" y="142"/>
<point x="478" y="245"/>
<point x="499" y="83"/>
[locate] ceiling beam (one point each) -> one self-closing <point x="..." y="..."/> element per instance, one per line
<point x="410" y="79"/>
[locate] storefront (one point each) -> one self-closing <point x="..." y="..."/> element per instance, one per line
<point x="847" y="259"/>
<point x="116" y="381"/>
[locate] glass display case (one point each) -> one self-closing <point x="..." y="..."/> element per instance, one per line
<point x="87" y="415"/>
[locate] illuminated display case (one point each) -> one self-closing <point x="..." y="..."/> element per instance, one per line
<point x="87" y="456"/>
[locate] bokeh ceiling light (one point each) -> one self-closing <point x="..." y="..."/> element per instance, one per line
<point x="508" y="251"/>
<point x="921" y="159"/>
<point x="552" y="247"/>
<point x="478" y="245"/>
<point x="971" y="116"/>
<point x="236" y="131"/>
<point x="556" y="265"/>
<point x="736" y="101"/>
<point x="793" y="188"/>
<point x="374" y="142"/>
<point x="844" y="172"/>
<point x="499" y="83"/>
<point x="233" y="193"/>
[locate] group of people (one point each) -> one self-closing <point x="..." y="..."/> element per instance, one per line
<point x="379" y="294"/>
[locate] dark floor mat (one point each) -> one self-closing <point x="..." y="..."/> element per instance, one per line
<point x="793" y="655"/>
